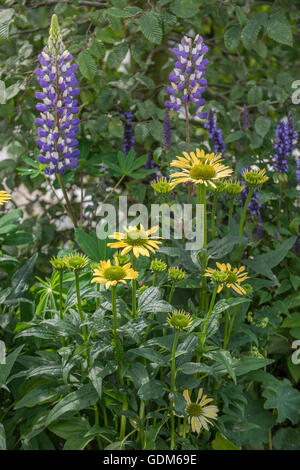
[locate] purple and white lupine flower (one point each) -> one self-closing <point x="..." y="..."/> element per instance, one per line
<point x="167" y="134"/>
<point x="215" y="134"/>
<point x="187" y="79"/>
<point x="129" y="139"/>
<point x="286" y="139"/>
<point x="57" y="123"/>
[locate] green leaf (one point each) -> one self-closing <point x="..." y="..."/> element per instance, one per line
<point x="222" y="443"/>
<point x="87" y="65"/>
<point x="255" y="95"/>
<point x="37" y="396"/>
<point x="185" y="8"/>
<point x="138" y="374"/>
<point x="6" y="368"/>
<point x="2" y="438"/>
<point x="191" y="368"/>
<point x="250" y="33"/>
<point x="6" y="16"/>
<point x="84" y="397"/>
<point x="20" y="280"/>
<point x="150" y="24"/>
<point x="97" y="48"/>
<point x="150" y="301"/>
<point x="279" y="29"/>
<point x="262" y="125"/>
<point x="283" y="397"/>
<point x="232" y="37"/>
<point x="234" y="136"/>
<point x="19" y="238"/>
<point x="117" y="56"/>
<point x="151" y="390"/>
<point x="2" y="92"/>
<point x="88" y="243"/>
<point x="150" y="354"/>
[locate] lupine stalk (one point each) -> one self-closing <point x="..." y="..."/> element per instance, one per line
<point x="215" y="134"/>
<point x="129" y="139"/>
<point x="286" y="139"/>
<point x="57" y="123"/>
<point x="187" y="79"/>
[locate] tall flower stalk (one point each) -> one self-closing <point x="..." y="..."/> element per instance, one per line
<point x="57" y="124"/>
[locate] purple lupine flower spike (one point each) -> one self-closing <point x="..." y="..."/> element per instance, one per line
<point x="58" y="107"/>
<point x="286" y="139"/>
<point x="167" y="135"/>
<point x="187" y="79"/>
<point x="245" y="118"/>
<point x="215" y="134"/>
<point x="129" y="139"/>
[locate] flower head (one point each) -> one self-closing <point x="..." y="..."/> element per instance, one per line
<point x="122" y="259"/>
<point x="129" y="139"/>
<point x="199" y="168"/>
<point x="161" y="185"/>
<point x="111" y="275"/>
<point x="58" y="263"/>
<point x="234" y="187"/>
<point x="179" y="319"/>
<point x="199" y="414"/>
<point x="214" y="133"/>
<point x="286" y="139"/>
<point x="76" y="261"/>
<point x="158" y="266"/>
<point x="4" y="197"/>
<point x="254" y="177"/>
<point x="187" y="79"/>
<point x="139" y="240"/>
<point x="220" y="186"/>
<point x="58" y="107"/>
<point x="176" y="273"/>
<point x="226" y="276"/>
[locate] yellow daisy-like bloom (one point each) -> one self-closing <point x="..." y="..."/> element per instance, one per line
<point x="76" y="261"/>
<point x="199" y="414"/>
<point x="234" y="187"/>
<point x="4" y="196"/>
<point x="136" y="239"/>
<point x="226" y="276"/>
<point x="199" y="168"/>
<point x="111" y="275"/>
<point x="255" y="177"/>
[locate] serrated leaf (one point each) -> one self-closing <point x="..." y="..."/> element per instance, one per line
<point x="262" y="125"/>
<point x="232" y="37"/>
<point x="250" y="33"/>
<point x="283" y="397"/>
<point x="151" y="27"/>
<point x="279" y="29"/>
<point x="87" y="65"/>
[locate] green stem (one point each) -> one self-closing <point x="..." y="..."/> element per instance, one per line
<point x="226" y="340"/>
<point x="226" y="321"/>
<point x="133" y="287"/>
<point x="243" y="216"/>
<point x="79" y="306"/>
<point x="231" y="206"/>
<point x="213" y="214"/>
<point x="279" y="203"/>
<point x="154" y="279"/>
<point x="97" y="298"/>
<point x="60" y="294"/>
<point x="211" y="306"/>
<point x="173" y="389"/>
<point x="69" y="206"/>
<point x="201" y="199"/>
<point x="100" y="447"/>
<point x="141" y="416"/>
<point x="172" y="290"/>
<point x="116" y="340"/>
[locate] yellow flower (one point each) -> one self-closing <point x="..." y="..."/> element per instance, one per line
<point x="161" y="185"/>
<point x="200" y="415"/>
<point x="254" y="177"/>
<point x="137" y="240"/>
<point x="4" y="196"/>
<point x="226" y="276"/>
<point x="179" y="319"/>
<point x="111" y="275"/>
<point x="199" y="169"/>
<point x="76" y="261"/>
